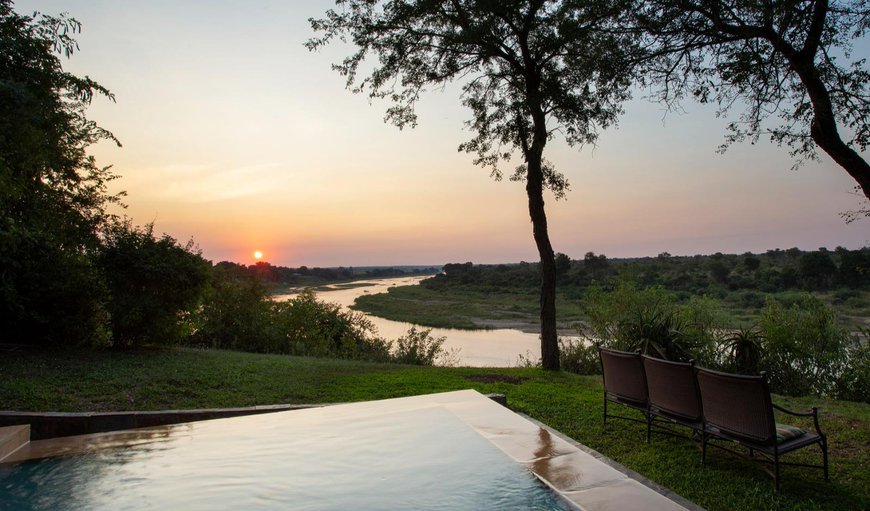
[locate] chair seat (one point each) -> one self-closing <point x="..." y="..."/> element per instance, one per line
<point x="807" y="438"/>
<point x="796" y="443"/>
<point x="692" y="422"/>
<point x="634" y="403"/>
<point x="786" y="432"/>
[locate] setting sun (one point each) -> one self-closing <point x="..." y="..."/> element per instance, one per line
<point x="258" y="255"/>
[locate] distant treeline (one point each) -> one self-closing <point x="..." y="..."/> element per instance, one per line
<point x="304" y="275"/>
<point x="718" y="275"/>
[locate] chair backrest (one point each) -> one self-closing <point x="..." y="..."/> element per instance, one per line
<point x="738" y="405"/>
<point x="673" y="388"/>
<point x="623" y="375"/>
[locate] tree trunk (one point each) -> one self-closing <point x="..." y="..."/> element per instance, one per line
<point x="825" y="134"/>
<point x="535" y="192"/>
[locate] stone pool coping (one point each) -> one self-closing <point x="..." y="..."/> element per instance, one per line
<point x="45" y="425"/>
<point x="580" y="476"/>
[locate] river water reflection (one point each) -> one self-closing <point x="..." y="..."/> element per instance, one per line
<point x="478" y="348"/>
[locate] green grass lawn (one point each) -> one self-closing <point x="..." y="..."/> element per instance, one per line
<point x="186" y="378"/>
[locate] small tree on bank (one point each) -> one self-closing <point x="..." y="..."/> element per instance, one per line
<point x="782" y="58"/>
<point x="529" y="68"/>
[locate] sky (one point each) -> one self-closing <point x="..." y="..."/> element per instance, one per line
<point x="237" y="136"/>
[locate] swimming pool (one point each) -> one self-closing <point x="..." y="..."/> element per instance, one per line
<point x="456" y="450"/>
<point x="423" y="458"/>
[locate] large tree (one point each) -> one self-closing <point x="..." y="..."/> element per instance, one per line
<point x="790" y="59"/>
<point x="53" y="196"/>
<point x="529" y="69"/>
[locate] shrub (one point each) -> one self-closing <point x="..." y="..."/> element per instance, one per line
<point x="703" y="324"/>
<point x="418" y="347"/>
<point x="650" y="320"/>
<point x="320" y="329"/>
<point x="854" y="383"/>
<point x="806" y="350"/>
<point x="154" y="285"/>
<point x="654" y="332"/>
<point x="236" y="315"/>
<point x="51" y="297"/>
<point x="579" y="356"/>
<point x="608" y="312"/>
<point x="743" y="348"/>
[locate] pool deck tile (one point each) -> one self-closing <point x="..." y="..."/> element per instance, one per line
<point x="623" y="494"/>
<point x="12" y="439"/>
<point x="575" y="471"/>
<point x="526" y="448"/>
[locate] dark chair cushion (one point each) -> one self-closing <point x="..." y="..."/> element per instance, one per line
<point x="786" y="432"/>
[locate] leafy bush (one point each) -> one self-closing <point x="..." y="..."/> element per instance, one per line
<point x="610" y="313"/>
<point x="50" y="296"/>
<point x="315" y="328"/>
<point x="418" y="347"/>
<point x="154" y="285"/>
<point x="805" y="350"/>
<point x="579" y="356"/>
<point x="703" y="325"/>
<point x="238" y="315"/>
<point x="650" y="320"/>
<point x="854" y="383"/>
<point x="743" y="348"/>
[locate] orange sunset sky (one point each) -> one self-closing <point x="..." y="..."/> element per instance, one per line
<point x="234" y="134"/>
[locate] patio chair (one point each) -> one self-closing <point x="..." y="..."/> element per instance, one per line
<point x="673" y="395"/>
<point x="738" y="408"/>
<point x="624" y="382"/>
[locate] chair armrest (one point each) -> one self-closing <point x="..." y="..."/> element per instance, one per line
<point x="810" y="413"/>
<point x="814" y="413"/>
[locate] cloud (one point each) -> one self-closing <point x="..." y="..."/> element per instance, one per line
<point x="197" y="184"/>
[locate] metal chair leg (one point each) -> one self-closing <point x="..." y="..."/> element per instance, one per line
<point x="776" y="471"/>
<point x="649" y="419"/>
<point x="704" y="438"/>
<point x="824" y="445"/>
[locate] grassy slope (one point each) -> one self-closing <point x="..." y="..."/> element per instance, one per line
<point x="460" y="308"/>
<point x="465" y="308"/>
<point x="572" y="404"/>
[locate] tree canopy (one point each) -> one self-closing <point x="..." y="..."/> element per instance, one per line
<point x="71" y="272"/>
<point x="528" y="69"/>
<point x="789" y="60"/>
<point x="53" y="195"/>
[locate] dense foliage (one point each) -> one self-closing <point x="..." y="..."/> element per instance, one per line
<point x="154" y="285"/>
<point x="802" y="347"/>
<point x="743" y="279"/>
<point x="682" y="308"/>
<point x="304" y="276"/>
<point x="72" y="274"/>
<point x="52" y="194"/>
<point x="239" y="315"/>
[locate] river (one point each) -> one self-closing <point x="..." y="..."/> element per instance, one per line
<point x="477" y="348"/>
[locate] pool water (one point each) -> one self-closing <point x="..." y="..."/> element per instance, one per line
<point x="348" y="457"/>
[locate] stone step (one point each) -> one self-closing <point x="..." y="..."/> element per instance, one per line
<point x="13" y="438"/>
